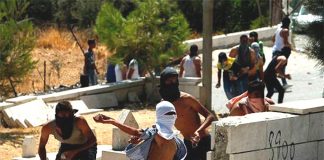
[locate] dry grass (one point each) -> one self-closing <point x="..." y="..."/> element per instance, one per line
<point x="63" y="57"/>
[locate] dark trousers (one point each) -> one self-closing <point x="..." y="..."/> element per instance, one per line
<point x="199" y="152"/>
<point x="283" y="80"/>
<point x="272" y="82"/>
<point x="89" y="154"/>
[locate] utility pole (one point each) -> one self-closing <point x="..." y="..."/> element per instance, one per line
<point x="206" y="93"/>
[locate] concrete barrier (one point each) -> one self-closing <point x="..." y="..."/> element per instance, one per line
<point x="271" y="135"/>
<point x="232" y="39"/>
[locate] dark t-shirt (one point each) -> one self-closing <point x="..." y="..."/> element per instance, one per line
<point x="89" y="60"/>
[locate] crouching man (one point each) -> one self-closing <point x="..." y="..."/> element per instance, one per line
<point x="77" y="140"/>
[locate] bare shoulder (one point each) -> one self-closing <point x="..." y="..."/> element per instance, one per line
<point x="187" y="97"/>
<point x="80" y="121"/>
<point x="46" y="129"/>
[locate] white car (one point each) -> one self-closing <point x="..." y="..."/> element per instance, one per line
<point x="303" y="18"/>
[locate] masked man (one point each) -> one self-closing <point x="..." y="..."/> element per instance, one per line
<point x="160" y="141"/>
<point x="77" y="140"/>
<point x="246" y="58"/>
<point x="188" y="108"/>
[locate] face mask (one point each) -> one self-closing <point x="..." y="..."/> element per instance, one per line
<point x="66" y="125"/>
<point x="165" y="124"/>
<point x="170" y="92"/>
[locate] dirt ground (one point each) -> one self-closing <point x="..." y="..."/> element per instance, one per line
<point x="11" y="139"/>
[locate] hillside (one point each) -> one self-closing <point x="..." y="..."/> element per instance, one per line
<point x="63" y="57"/>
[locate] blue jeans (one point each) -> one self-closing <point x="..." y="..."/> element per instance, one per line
<point x="240" y="85"/>
<point x="92" y="77"/>
<point x="227" y="84"/>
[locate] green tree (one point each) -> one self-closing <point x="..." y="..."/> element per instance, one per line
<point x="16" y="43"/>
<point x="316" y="32"/>
<point x="151" y="33"/>
<point x="82" y="12"/>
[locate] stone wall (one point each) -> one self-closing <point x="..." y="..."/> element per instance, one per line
<point x="296" y="134"/>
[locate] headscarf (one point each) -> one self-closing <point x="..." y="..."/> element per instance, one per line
<point x="65" y="123"/>
<point x="165" y="121"/>
<point x="169" y="92"/>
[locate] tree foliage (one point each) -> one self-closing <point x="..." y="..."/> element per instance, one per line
<point x="229" y="15"/>
<point x="16" y="43"/>
<point x="316" y="32"/>
<point x="151" y="33"/>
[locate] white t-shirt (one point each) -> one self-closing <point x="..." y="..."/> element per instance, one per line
<point x="278" y="45"/>
<point x="133" y="65"/>
<point x="189" y="67"/>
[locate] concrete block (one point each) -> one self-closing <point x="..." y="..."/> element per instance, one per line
<point x="100" y="100"/>
<point x="119" y="138"/>
<point x="320" y="153"/>
<point x="241" y="136"/>
<point x="254" y="155"/>
<point x="300" y="107"/>
<point x="127" y="117"/>
<point x="278" y="131"/>
<point x="117" y="155"/>
<point x="299" y="128"/>
<point x="316" y="126"/>
<point x="29" y="147"/>
<point x="79" y="105"/>
<point x="209" y="155"/>
<point x="37" y="111"/>
<point x="4" y="105"/>
<point x="21" y="99"/>
<point x="303" y="151"/>
<point x="133" y="97"/>
<point x="235" y="134"/>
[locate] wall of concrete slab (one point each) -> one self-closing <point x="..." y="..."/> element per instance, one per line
<point x="232" y="39"/>
<point x="272" y="135"/>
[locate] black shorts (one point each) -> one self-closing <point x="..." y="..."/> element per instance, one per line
<point x="199" y="152"/>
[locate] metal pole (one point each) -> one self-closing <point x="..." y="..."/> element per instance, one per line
<point x="44" y="76"/>
<point x="270" y="12"/>
<point x="207" y="51"/>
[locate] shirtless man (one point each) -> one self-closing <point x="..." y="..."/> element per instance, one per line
<point x="188" y="108"/>
<point x="77" y="140"/>
<point x="164" y="145"/>
<point x="252" y="101"/>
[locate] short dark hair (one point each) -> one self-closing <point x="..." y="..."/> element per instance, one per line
<point x="222" y="56"/>
<point x="64" y="106"/>
<point x="256" y="86"/>
<point x="91" y="41"/>
<point x="254" y="34"/>
<point x="193" y="50"/>
<point x="285" y="22"/>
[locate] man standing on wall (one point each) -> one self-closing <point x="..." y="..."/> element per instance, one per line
<point x="90" y="67"/>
